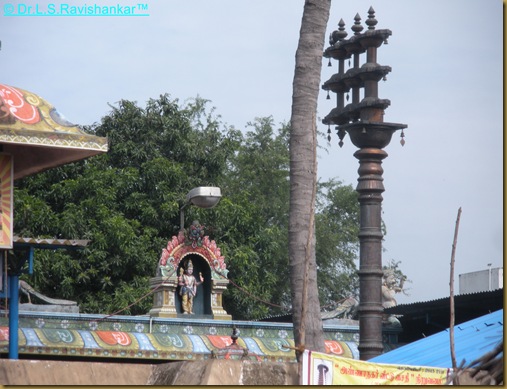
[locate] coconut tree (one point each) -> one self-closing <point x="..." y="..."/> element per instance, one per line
<point x="308" y="331"/>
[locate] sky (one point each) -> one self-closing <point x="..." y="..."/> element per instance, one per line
<point x="446" y="84"/>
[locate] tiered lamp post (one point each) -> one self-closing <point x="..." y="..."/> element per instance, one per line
<point x="363" y="120"/>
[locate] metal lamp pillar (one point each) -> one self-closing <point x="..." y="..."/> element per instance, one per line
<point x="370" y="188"/>
<point x="364" y="122"/>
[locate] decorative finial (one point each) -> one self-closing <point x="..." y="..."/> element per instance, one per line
<point x="371" y="21"/>
<point x="341" y="33"/>
<point x="338" y="35"/>
<point x="329" y="133"/>
<point x="402" y="141"/>
<point x="357" y="28"/>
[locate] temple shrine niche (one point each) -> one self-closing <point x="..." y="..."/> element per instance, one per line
<point x="190" y="249"/>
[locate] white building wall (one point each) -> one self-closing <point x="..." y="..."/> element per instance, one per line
<point x="481" y="281"/>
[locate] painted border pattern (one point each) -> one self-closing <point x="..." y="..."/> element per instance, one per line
<point x="159" y="340"/>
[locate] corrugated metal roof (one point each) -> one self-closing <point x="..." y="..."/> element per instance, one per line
<point x="492" y="299"/>
<point x="50" y="242"/>
<point x="427" y="318"/>
<point x="472" y="339"/>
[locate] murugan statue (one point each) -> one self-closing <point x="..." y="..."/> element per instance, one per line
<point x="188" y="287"/>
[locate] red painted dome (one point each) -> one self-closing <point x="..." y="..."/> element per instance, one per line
<point x="38" y="136"/>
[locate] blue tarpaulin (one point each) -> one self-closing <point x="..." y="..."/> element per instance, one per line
<point x="472" y="340"/>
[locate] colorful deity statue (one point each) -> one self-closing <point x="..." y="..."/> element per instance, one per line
<point x="188" y="287"/>
<point x="196" y="234"/>
<point x="175" y="282"/>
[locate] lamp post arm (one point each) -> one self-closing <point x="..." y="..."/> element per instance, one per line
<point x="182" y="217"/>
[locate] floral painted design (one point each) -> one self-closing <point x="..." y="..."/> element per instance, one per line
<point x="283" y="334"/>
<point x="164" y="329"/>
<point x="40" y="323"/>
<point x="338" y="336"/>
<point x="139" y="327"/>
<point x="65" y="324"/>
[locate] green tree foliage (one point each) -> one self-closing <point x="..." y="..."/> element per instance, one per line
<point x="337" y="228"/>
<point x="127" y="202"/>
<point x="255" y="230"/>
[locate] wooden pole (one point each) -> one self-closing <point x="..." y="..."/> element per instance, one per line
<point x="308" y="250"/>
<point x="451" y="299"/>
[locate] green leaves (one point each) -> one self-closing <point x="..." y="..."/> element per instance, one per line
<point x="127" y="203"/>
<point x="337" y="248"/>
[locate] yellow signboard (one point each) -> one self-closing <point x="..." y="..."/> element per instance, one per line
<point x="6" y="201"/>
<point x="325" y="369"/>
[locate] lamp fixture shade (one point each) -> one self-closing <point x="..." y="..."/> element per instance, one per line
<point x="204" y="196"/>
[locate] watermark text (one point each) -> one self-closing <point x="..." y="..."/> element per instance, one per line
<point x="66" y="9"/>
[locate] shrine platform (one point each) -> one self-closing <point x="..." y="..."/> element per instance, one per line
<point x="72" y="336"/>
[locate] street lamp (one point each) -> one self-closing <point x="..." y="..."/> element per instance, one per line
<point x="206" y="256"/>
<point x="202" y="197"/>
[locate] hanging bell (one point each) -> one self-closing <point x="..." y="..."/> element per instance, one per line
<point x="341" y="134"/>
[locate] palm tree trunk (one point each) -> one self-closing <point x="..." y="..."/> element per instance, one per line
<point x="308" y="332"/>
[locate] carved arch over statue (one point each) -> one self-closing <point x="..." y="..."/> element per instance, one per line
<point x="190" y="244"/>
<point x="179" y="247"/>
